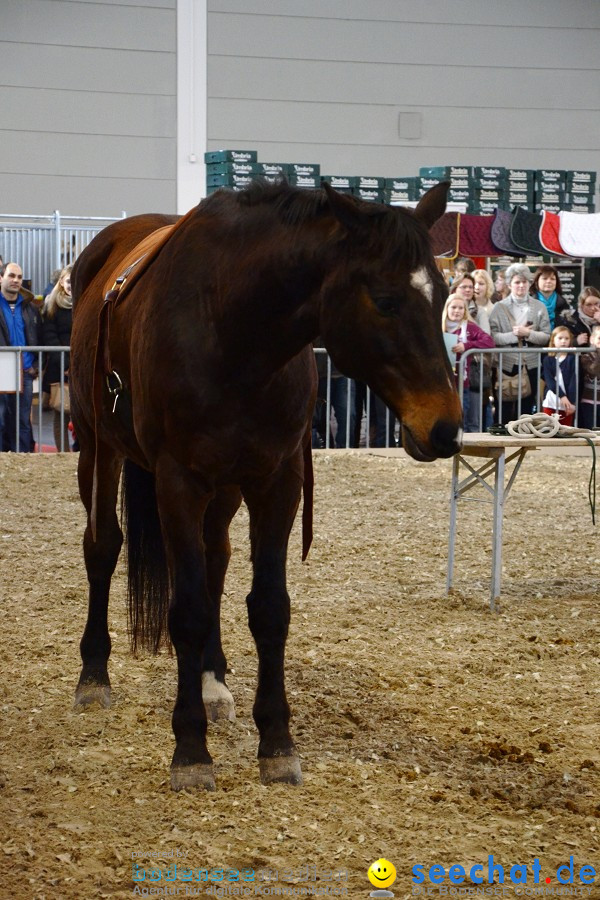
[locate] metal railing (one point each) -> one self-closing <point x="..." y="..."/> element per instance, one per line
<point x="11" y="375"/>
<point x="348" y="405"/>
<point x="492" y="396"/>
<point x="43" y="244"/>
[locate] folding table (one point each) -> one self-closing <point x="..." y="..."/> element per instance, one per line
<point x="496" y="451"/>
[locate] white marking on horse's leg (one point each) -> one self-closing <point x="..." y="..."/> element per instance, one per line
<point x="218" y="700"/>
<point x="420" y="280"/>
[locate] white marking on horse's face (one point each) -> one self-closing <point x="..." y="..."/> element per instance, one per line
<point x="420" y="280"/>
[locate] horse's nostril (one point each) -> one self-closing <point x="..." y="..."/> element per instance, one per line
<point x="445" y="438"/>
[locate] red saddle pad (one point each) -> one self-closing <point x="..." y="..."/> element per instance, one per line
<point x="474" y="236"/>
<point x="549" y="233"/>
<point x="444" y="235"/>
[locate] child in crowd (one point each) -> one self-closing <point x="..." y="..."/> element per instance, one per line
<point x="589" y="405"/>
<point x="457" y="321"/>
<point x="559" y="372"/>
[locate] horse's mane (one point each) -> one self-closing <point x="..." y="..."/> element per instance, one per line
<point x="393" y="226"/>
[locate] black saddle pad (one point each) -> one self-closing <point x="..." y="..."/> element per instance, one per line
<point x="525" y="231"/>
<point x="500" y="234"/>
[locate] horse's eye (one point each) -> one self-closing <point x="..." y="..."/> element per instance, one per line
<point x="386" y="306"/>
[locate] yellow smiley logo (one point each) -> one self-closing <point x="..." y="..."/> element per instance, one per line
<point x="381" y="873"/>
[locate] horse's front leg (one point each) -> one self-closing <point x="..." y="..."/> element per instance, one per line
<point x="272" y="509"/>
<point x="101" y="554"/>
<point x="217" y="697"/>
<point x="182" y="502"/>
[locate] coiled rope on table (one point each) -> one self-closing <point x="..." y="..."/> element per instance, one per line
<point x="541" y="425"/>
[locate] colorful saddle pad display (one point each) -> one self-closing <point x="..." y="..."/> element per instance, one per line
<point x="444" y="235"/>
<point x="525" y="231"/>
<point x="500" y="234"/>
<point x="579" y="233"/>
<point x="474" y="236"/>
<point x="549" y="233"/>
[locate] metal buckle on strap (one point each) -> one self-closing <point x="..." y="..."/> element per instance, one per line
<point x="115" y="386"/>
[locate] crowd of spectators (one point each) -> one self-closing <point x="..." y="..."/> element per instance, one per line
<point x="25" y="322"/>
<point x="517" y="309"/>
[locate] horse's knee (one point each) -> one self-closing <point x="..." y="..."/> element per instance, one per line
<point x="269" y="615"/>
<point x="188" y="623"/>
<point x="101" y="555"/>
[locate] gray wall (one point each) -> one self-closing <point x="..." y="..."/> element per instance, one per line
<point x="88" y="106"/>
<point x="88" y="91"/>
<point x="512" y="82"/>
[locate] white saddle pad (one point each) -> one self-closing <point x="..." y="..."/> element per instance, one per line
<point x="579" y="233"/>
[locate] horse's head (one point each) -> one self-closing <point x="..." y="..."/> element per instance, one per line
<point x="381" y="315"/>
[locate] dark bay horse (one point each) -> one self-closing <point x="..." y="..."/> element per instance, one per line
<point x="198" y="381"/>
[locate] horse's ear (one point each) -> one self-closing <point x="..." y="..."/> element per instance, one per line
<point x="343" y="208"/>
<point x="432" y="205"/>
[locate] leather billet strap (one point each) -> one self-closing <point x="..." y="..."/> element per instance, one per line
<point x="116" y="288"/>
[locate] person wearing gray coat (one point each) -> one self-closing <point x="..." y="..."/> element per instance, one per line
<point x="519" y="320"/>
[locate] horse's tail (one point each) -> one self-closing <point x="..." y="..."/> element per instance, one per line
<point x="308" y="490"/>
<point x="147" y="575"/>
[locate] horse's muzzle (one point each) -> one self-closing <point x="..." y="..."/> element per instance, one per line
<point x="445" y="440"/>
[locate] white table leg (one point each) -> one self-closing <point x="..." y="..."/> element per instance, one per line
<point x="452" y="533"/>
<point x="498" y="513"/>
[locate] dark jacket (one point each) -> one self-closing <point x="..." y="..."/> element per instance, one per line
<point x="56" y="332"/>
<point x="590" y="365"/>
<point x="32" y="320"/>
<point x="568" y="367"/>
<point x="571" y="319"/>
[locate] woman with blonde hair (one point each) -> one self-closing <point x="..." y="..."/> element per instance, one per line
<point x="469" y="336"/>
<point x="464" y="286"/>
<point x="57" y="320"/>
<point x="484" y="289"/>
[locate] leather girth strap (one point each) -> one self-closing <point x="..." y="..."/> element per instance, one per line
<point x="116" y="288"/>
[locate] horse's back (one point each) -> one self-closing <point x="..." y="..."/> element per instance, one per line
<point x="109" y="246"/>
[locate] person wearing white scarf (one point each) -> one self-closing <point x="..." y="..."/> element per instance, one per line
<point x="519" y="320"/>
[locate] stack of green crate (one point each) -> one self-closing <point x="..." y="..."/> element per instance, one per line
<point x="550" y="190"/>
<point x="401" y="189"/>
<point x="520" y="186"/>
<point x="345" y="184"/>
<point x="304" y="175"/>
<point x="489" y="190"/>
<point x="233" y="169"/>
<point x="581" y="191"/>
<point x="460" y="178"/>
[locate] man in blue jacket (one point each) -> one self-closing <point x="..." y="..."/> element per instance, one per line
<point x="20" y="326"/>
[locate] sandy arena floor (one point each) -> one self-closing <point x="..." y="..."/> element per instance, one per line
<point x="430" y="730"/>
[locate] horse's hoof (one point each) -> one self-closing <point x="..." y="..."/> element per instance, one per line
<point x="280" y="768"/>
<point x="218" y="699"/>
<point x="220" y="709"/>
<point x="200" y="775"/>
<point x="86" y="694"/>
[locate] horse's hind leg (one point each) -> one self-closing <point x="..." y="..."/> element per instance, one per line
<point x="100" y="557"/>
<point x="182" y="503"/>
<point x="218" y="700"/>
<point x="272" y="510"/>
